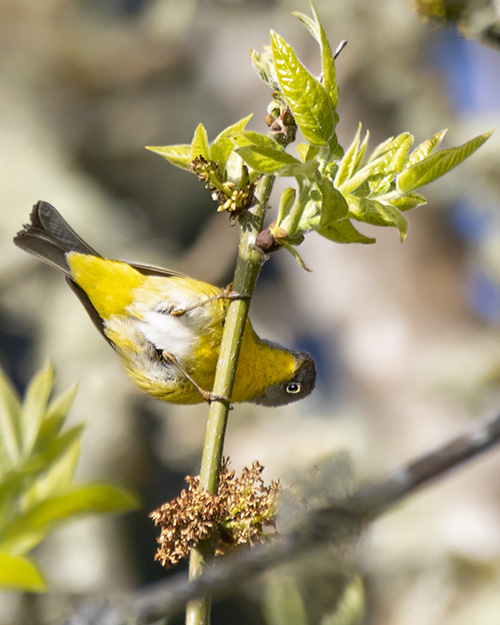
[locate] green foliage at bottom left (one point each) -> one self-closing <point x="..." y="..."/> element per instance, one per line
<point x="38" y="459"/>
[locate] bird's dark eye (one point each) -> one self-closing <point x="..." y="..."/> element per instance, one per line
<point x="293" y="388"/>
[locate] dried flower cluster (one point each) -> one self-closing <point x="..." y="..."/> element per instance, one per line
<point x="237" y="514"/>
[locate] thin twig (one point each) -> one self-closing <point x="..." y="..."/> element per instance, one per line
<point x="339" y="48"/>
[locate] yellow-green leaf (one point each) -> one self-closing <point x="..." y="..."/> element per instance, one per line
<point x="59" y="458"/>
<point x="264" y="67"/>
<point x="54" y="418"/>
<point x="408" y="201"/>
<point x="60" y="405"/>
<point x="252" y="138"/>
<point x="266" y="160"/>
<point x="306" y="96"/>
<point x="222" y="145"/>
<point x="178" y="155"/>
<point x="286" y="202"/>
<point x="390" y="161"/>
<point x="306" y="151"/>
<point x="377" y="213"/>
<point x="327" y="62"/>
<point x="10" y="419"/>
<point x="20" y="573"/>
<point x="424" y="149"/>
<point x="29" y="528"/>
<point x="199" y="144"/>
<point x="34" y="407"/>
<point x="342" y="231"/>
<point x="438" y="164"/>
<point x="348" y="162"/>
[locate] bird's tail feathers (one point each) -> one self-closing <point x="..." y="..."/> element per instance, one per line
<point x="50" y="237"/>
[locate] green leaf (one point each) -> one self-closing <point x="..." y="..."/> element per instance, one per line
<point x="390" y="161"/>
<point x="60" y="406"/>
<point x="30" y="528"/>
<point x="178" y="155"/>
<point x="199" y="144"/>
<point x="286" y="202"/>
<point x="54" y="418"/>
<point x="343" y="231"/>
<point x="60" y="445"/>
<point x="306" y="151"/>
<point x="361" y="151"/>
<point x="34" y="407"/>
<point x="59" y="477"/>
<point x="376" y="213"/>
<point x="252" y="138"/>
<point x="19" y="573"/>
<point x="408" y="201"/>
<point x="13" y="480"/>
<point x="424" y="149"/>
<point x="326" y="212"/>
<point x="347" y="165"/>
<point x="327" y="63"/>
<point x="323" y="209"/>
<point x="59" y="459"/>
<point x="291" y="248"/>
<point x="315" y="27"/>
<point x="222" y="145"/>
<point x="394" y="157"/>
<point x="380" y="149"/>
<point x="438" y="164"/>
<point x="281" y="163"/>
<point x="308" y="170"/>
<point x="377" y="185"/>
<point x="309" y="23"/>
<point x="264" y="67"/>
<point x="266" y="160"/>
<point x="333" y="206"/>
<point x="10" y="418"/>
<point x="306" y="96"/>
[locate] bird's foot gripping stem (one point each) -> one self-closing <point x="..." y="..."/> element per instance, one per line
<point x="227" y="293"/>
<point x="208" y="396"/>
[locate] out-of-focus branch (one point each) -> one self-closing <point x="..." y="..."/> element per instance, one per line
<point x="373" y="499"/>
<point x="339" y="521"/>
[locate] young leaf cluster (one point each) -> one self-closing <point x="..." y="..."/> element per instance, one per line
<point x="37" y="466"/>
<point x="332" y="189"/>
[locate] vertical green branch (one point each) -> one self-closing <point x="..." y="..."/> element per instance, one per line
<point x="247" y="270"/>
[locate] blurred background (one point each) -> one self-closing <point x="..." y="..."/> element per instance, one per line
<point x="406" y="337"/>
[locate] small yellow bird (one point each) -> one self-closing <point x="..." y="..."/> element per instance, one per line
<point x="165" y="327"/>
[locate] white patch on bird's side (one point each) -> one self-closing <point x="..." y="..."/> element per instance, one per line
<point x="177" y="335"/>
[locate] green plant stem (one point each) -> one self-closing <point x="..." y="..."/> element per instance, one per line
<point x="291" y="221"/>
<point x="248" y="266"/>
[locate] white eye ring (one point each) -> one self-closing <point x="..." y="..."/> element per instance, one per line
<point x="293" y="388"/>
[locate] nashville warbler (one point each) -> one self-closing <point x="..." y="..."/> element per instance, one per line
<point x="165" y="327"/>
